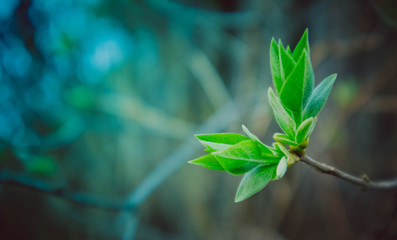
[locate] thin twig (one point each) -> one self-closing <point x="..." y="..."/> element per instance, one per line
<point x="363" y="182"/>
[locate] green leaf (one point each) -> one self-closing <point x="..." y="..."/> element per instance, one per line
<point x="287" y="63"/>
<point x="254" y="181"/>
<point x="242" y="157"/>
<point x="298" y="87"/>
<point x="302" y="45"/>
<point x="311" y="127"/>
<point x="275" y="66"/>
<point x="303" y="130"/>
<point x="283" y="119"/>
<point x="207" y="161"/>
<point x="282" y="138"/>
<point x="281" y="168"/>
<point x="309" y="81"/>
<point x="278" y="151"/>
<point x="319" y="97"/>
<point x="251" y="135"/>
<point x="283" y="149"/>
<point x="292" y="92"/>
<point x="266" y="151"/>
<point x="289" y="51"/>
<point x="220" y="141"/>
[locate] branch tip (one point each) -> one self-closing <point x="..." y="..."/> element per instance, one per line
<point x="364" y="181"/>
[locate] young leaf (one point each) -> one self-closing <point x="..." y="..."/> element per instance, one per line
<point x="298" y="87"/>
<point x="287" y="63"/>
<point x="311" y="128"/>
<point x="220" y="141"/>
<point x="275" y="66"/>
<point x="282" y="138"/>
<point x="283" y="149"/>
<point x="242" y="157"/>
<point x="281" y="168"/>
<point x="283" y="119"/>
<point x="266" y="151"/>
<point x="289" y="51"/>
<point x="278" y="150"/>
<point x="254" y="181"/>
<point x="302" y="45"/>
<point x="319" y="97"/>
<point x="303" y="130"/>
<point x="208" y="161"/>
<point x="309" y="81"/>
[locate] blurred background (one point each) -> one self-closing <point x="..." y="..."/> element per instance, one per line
<point x="99" y="101"/>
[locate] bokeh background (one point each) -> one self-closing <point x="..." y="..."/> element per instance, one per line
<point x="101" y="99"/>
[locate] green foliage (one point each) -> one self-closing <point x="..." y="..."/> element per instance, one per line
<point x="295" y="103"/>
<point x="319" y="97"/>
<point x="265" y="150"/>
<point x="208" y="161"/>
<point x="259" y="163"/>
<point x="298" y="87"/>
<point x="220" y="141"/>
<point x="282" y="138"/>
<point x="254" y="181"/>
<point x="281" y="168"/>
<point x="275" y="66"/>
<point x="283" y="118"/>
<point x="305" y="129"/>
<point x="242" y="157"/>
<point x="302" y="45"/>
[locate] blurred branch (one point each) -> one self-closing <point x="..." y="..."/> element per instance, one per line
<point x="57" y="190"/>
<point x="148" y="116"/>
<point x="364" y="182"/>
<point x="221" y="119"/>
<point x="131" y="220"/>
<point x="383" y="104"/>
<point x="387" y="18"/>
<point x="209" y="78"/>
<point x="218" y="121"/>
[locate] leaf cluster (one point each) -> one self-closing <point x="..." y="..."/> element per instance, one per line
<point x="295" y="103"/>
<point x="239" y="154"/>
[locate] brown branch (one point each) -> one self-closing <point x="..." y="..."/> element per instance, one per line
<point x="364" y="182"/>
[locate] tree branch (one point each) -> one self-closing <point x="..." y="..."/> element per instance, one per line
<point x="364" y="182"/>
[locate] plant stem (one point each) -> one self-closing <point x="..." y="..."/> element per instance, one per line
<point x="364" y="182"/>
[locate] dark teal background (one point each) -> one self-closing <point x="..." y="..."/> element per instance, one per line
<point x="103" y="98"/>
